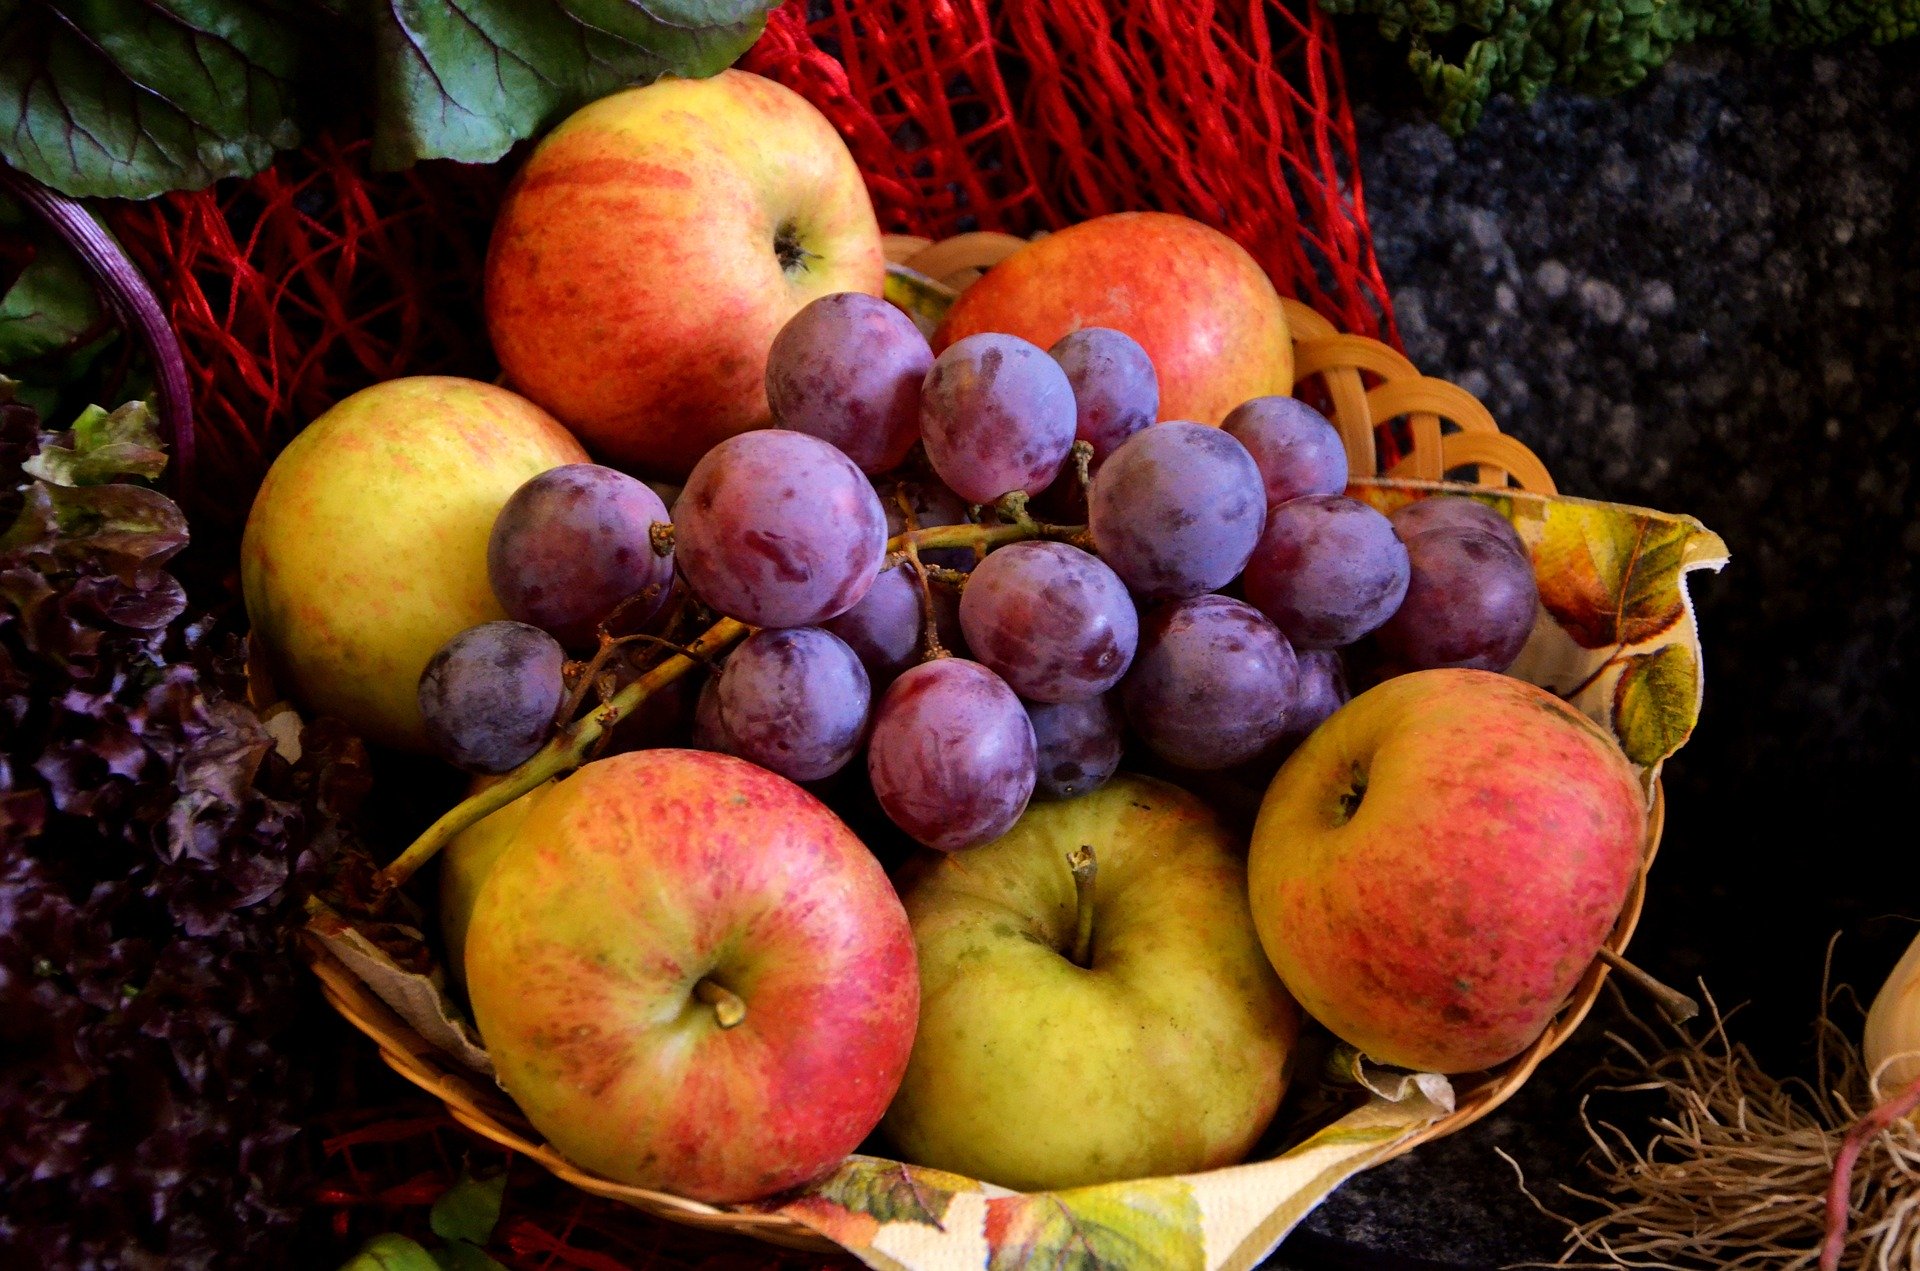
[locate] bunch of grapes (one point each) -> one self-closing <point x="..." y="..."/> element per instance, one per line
<point x="903" y="603"/>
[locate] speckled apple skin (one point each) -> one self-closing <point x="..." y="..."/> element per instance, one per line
<point x="631" y="282"/>
<point x="1202" y="308"/>
<point x="1168" y="1055"/>
<point x="1442" y="926"/>
<point x="366" y="547"/>
<point x="629" y="882"/>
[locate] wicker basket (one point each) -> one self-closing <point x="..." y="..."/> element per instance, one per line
<point x="1344" y="364"/>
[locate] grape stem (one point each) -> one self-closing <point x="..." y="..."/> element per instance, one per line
<point x="573" y="744"/>
<point x="1086" y="872"/>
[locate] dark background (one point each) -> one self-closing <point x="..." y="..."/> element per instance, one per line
<point x="1702" y="297"/>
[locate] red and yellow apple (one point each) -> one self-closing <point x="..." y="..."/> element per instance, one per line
<point x="653" y="246"/>
<point x="1205" y="312"/>
<point x="1436" y="867"/>
<point x="366" y="547"/>
<point x="691" y="976"/>
<point x="1163" y="1051"/>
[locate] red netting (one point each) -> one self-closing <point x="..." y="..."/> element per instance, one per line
<point x="319" y="277"/>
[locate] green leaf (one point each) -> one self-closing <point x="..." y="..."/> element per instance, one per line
<point x="469" y="1209"/>
<point x="465" y="79"/>
<point x="1655" y="703"/>
<point x="101" y="448"/>
<point x="133" y="98"/>
<point x="887" y="1191"/>
<point x="1152" y="1223"/>
<point x="1610" y="576"/>
<point x="52" y="307"/>
<point x="461" y="1256"/>
<point x="128" y="525"/>
<point x="390" y="1253"/>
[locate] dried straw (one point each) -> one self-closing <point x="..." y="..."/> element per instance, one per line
<point x="1737" y="1170"/>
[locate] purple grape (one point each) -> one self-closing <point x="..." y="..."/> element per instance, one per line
<point x="489" y="695"/>
<point x="1454" y="511"/>
<point x="1321" y="691"/>
<point x="997" y="415"/>
<point x="571" y="544"/>
<point x="1297" y="451"/>
<point x="1051" y="620"/>
<point x="951" y="756"/>
<point x="885" y="630"/>
<point x="1176" y="510"/>
<point x="1327" y="571"/>
<point x="933" y="504"/>
<point x="1115" y="390"/>
<point x="847" y="369"/>
<point x="1214" y="683"/>
<point x="709" y="732"/>
<point x="1470" y="602"/>
<point x="779" y="529"/>
<point x="1077" y="745"/>
<point x="794" y="701"/>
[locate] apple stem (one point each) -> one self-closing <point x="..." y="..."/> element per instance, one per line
<point x="573" y="745"/>
<point x="1085" y="873"/>
<point x="728" y="1007"/>
<point x="1674" y="1004"/>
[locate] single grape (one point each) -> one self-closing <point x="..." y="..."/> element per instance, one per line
<point x="1322" y="690"/>
<point x="951" y="756"/>
<point x="1470" y="602"/>
<point x="932" y="504"/>
<point x="1176" y="510"/>
<point x="885" y="630"/>
<point x="489" y="695"/>
<point x="571" y="544"/>
<point x="794" y="701"/>
<point x="997" y="415"/>
<point x="1051" y="620"/>
<point x="847" y="369"/>
<point x="709" y="732"/>
<point x="1214" y="684"/>
<point x="1115" y="390"/>
<point x="1296" y="449"/>
<point x="1077" y="745"/>
<point x="1327" y="571"/>
<point x="1456" y="511"/>
<point x="779" y="529"/>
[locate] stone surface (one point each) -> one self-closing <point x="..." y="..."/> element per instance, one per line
<point x="1703" y="296"/>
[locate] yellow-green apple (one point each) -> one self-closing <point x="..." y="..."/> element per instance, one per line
<point x="366" y="548"/>
<point x="1076" y="1032"/>
<point x="1205" y="312"/>
<point x="692" y="976"/>
<point x="465" y="862"/>
<point x="653" y="246"/>
<point x="1437" y="865"/>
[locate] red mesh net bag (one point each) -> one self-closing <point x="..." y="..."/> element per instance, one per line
<point x="320" y="276"/>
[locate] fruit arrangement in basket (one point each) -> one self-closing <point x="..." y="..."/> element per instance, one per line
<point x="870" y="743"/>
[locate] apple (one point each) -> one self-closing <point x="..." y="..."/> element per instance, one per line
<point x="1437" y="865"/>
<point x="653" y="246"/>
<point x="1156" y="1043"/>
<point x="1205" y="312"/>
<point x="366" y="547"/>
<point x="465" y="862"/>
<point x="692" y="977"/>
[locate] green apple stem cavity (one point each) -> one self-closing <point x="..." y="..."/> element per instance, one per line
<point x="729" y="1009"/>
<point x="573" y="744"/>
<point x="1086" y="872"/>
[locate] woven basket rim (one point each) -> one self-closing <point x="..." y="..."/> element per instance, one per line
<point x="1368" y="384"/>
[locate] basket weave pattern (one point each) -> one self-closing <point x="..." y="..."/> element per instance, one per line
<point x="1368" y="389"/>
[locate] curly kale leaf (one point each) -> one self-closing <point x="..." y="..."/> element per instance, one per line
<point x="1463" y="52"/>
